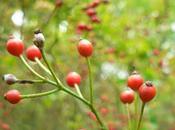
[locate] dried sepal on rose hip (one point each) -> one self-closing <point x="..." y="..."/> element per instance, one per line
<point x="134" y="81"/>
<point x="33" y="52"/>
<point x="147" y="91"/>
<point x="85" y="48"/>
<point x="13" y="96"/>
<point x="127" y="96"/>
<point x="15" y="46"/>
<point x="39" y="39"/>
<point x="9" y="79"/>
<point x="73" y="78"/>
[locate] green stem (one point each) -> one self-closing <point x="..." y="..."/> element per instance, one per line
<point x="42" y="66"/>
<point x="75" y="95"/>
<point x="141" y="116"/>
<point x="34" y="72"/>
<point x="50" y="68"/>
<point x="78" y="91"/>
<point x="63" y="88"/>
<point x="136" y="110"/>
<point x="30" y="68"/>
<point x="39" y="94"/>
<point x="90" y="80"/>
<point x="129" y="117"/>
<point x="98" y="118"/>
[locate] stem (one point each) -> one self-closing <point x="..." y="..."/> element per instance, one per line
<point x="29" y="81"/>
<point x="39" y="94"/>
<point x="78" y="91"/>
<point x="62" y="87"/>
<point x="30" y="68"/>
<point x="98" y="118"/>
<point x="42" y="66"/>
<point x="129" y="117"/>
<point x="90" y="80"/>
<point x="34" y="72"/>
<point x="50" y="68"/>
<point x="75" y="95"/>
<point x="136" y="110"/>
<point x="141" y="116"/>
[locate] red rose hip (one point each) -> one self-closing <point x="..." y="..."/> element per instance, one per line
<point x="135" y="81"/>
<point x="127" y="96"/>
<point x="90" y="12"/>
<point x="33" y="52"/>
<point x="85" y="48"/>
<point x="13" y="96"/>
<point x="147" y="92"/>
<point x="15" y="46"/>
<point x="72" y="79"/>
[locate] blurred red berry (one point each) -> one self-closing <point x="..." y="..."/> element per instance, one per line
<point x="90" y="12"/>
<point x="95" y="19"/>
<point x="92" y="115"/>
<point x="58" y="3"/>
<point x="112" y="126"/>
<point x="15" y="47"/>
<point x="73" y="78"/>
<point x="33" y="52"/>
<point x="147" y="91"/>
<point x="104" y="111"/>
<point x="5" y="126"/>
<point x="104" y="98"/>
<point x="135" y="81"/>
<point x="85" y="48"/>
<point x="156" y="52"/>
<point x="95" y="3"/>
<point x="81" y="26"/>
<point x="127" y="96"/>
<point x="13" y="96"/>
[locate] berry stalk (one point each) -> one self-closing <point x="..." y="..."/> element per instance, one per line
<point x="129" y="117"/>
<point x="50" y="68"/>
<point x="42" y="66"/>
<point x="40" y="94"/>
<point x="90" y="80"/>
<point x="78" y="91"/>
<point x="141" y="116"/>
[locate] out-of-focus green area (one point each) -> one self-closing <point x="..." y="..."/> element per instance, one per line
<point x="132" y="33"/>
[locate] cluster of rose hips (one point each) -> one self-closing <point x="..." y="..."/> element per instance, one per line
<point x="16" y="48"/>
<point x="92" y="14"/>
<point x="145" y="90"/>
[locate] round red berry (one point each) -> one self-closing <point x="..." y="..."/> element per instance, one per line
<point x="13" y="96"/>
<point x="15" y="46"/>
<point x="33" y="52"/>
<point x="85" y="48"/>
<point x="135" y="81"/>
<point x="90" y="12"/>
<point x="127" y="96"/>
<point x="81" y="26"/>
<point x="147" y="92"/>
<point x="95" y="19"/>
<point x="95" y="3"/>
<point x="73" y="78"/>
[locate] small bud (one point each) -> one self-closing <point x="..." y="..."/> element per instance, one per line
<point x="9" y="79"/>
<point x="39" y="39"/>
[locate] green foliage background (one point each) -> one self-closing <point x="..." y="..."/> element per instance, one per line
<point x="134" y="28"/>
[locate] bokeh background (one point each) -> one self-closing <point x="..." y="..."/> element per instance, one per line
<point x="129" y="34"/>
